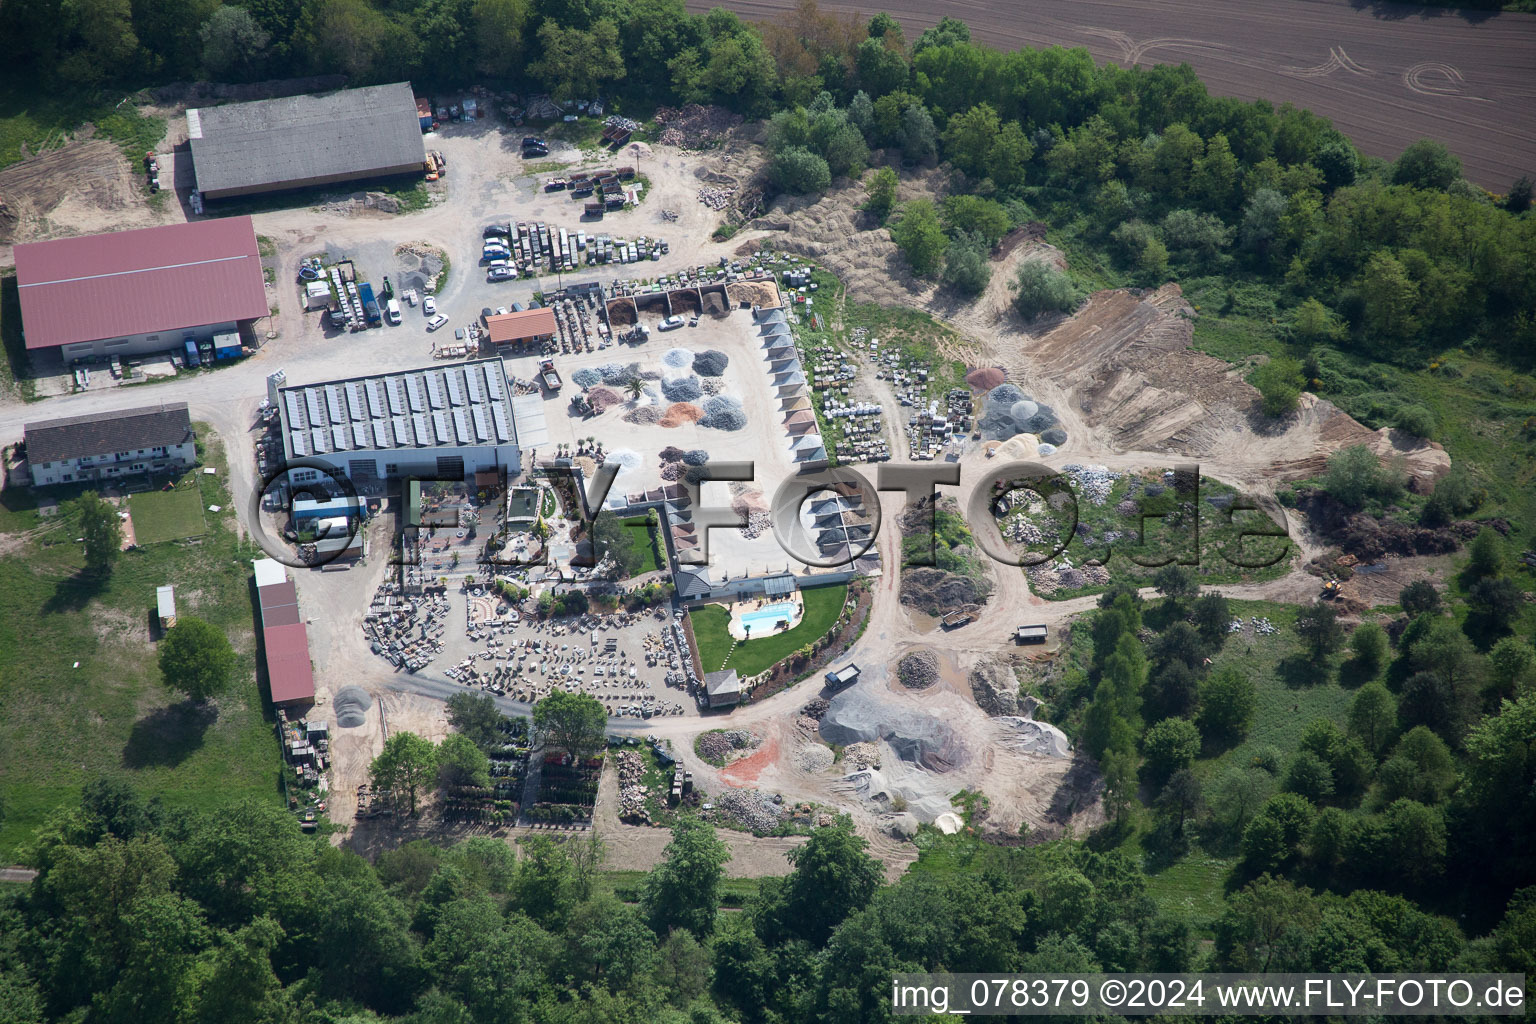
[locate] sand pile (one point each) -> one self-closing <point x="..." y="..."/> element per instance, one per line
<point x="710" y="364"/>
<point x="680" y="413"/>
<point x="986" y="378"/>
<point x="1034" y="737"/>
<point x="682" y="389"/>
<point x="352" y="704"/>
<point x="645" y="415"/>
<point x="603" y="399"/>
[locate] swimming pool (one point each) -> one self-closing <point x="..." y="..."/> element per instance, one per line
<point x="765" y="620"/>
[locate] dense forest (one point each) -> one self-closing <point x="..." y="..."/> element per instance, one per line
<point x="236" y="916"/>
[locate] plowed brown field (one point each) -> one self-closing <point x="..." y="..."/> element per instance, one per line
<point x="1386" y="74"/>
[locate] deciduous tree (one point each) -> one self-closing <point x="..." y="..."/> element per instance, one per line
<point x="405" y="765"/>
<point x="683" y="891"/>
<point x="196" y="658"/>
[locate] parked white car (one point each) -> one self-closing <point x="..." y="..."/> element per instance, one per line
<point x="671" y="323"/>
<point x="429" y="306"/>
<point x="436" y="322"/>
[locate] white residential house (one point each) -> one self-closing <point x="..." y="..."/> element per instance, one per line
<point x="107" y="446"/>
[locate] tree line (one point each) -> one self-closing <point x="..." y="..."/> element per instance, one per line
<point x="235" y="915"/>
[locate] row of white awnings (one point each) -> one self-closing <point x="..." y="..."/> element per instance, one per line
<point x="461" y="405"/>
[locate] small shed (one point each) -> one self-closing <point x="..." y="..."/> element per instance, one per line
<point x="165" y="602"/>
<point x="722" y="688"/>
<point x="1030" y="634"/>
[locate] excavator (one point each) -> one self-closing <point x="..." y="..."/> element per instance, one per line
<point x="1332" y="588"/>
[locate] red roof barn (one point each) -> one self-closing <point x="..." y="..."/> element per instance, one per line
<point x="132" y="292"/>
<point x="283" y="637"/>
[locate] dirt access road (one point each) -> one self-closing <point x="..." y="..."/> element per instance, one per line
<point x="1386" y="74"/>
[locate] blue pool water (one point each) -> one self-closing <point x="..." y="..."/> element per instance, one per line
<point x="765" y="620"/>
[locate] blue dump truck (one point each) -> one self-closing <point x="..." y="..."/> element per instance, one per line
<point x="370" y="304"/>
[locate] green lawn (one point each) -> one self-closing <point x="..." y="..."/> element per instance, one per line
<point x="642" y="542"/>
<point x="1292" y="691"/>
<point x="62" y="726"/>
<point x="710" y="629"/>
<point x="168" y="515"/>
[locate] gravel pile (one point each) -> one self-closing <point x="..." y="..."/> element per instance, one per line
<point x="710" y="364"/>
<point x="1045" y="449"/>
<point x="695" y="456"/>
<point x="682" y="389"/>
<point x="758" y="523"/>
<point x="586" y="377"/>
<point x="352" y="705"/>
<point x="672" y="472"/>
<point x="750" y="808"/>
<point x="1054" y="436"/>
<point x="614" y="373"/>
<point x="739" y="738"/>
<point x="986" y="378"/>
<point x="713" y="385"/>
<point x="1009" y="411"/>
<point x="645" y="415"/>
<point x="813" y="757"/>
<point x="680" y="413"/>
<point x="603" y="399"/>
<point x="624" y="459"/>
<point x="677" y="359"/>
<point x="671" y="453"/>
<point x="815" y="707"/>
<point x="918" y="670"/>
<point x="723" y="412"/>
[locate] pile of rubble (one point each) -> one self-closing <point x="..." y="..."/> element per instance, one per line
<point x="861" y="756"/>
<point x="752" y="809"/>
<point x="632" y="792"/>
<point x="815" y="708"/>
<point x="694" y="126"/>
<point x="1092" y="482"/>
<point x="715" y="197"/>
<point x="621" y="124"/>
<point x="813" y="757"/>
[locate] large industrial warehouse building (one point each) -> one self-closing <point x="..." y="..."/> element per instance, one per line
<point x="302" y="141"/>
<point x="436" y="423"/>
<point x="134" y="292"/>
